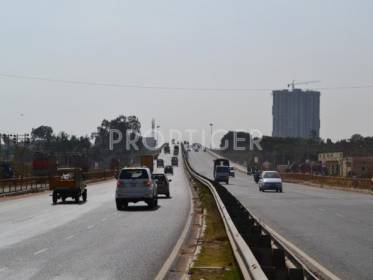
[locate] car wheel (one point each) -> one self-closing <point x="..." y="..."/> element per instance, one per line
<point x="151" y="204"/>
<point x="155" y="202"/>
<point x="281" y="190"/>
<point x="54" y="198"/>
<point x="84" y="195"/>
<point x="124" y="205"/>
<point x="168" y="195"/>
<point x="119" y="206"/>
<point x="77" y="198"/>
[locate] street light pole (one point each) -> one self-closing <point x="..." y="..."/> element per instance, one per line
<point x="211" y="125"/>
<point x="158" y="126"/>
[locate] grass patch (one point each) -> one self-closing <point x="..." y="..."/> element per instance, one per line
<point x="216" y="259"/>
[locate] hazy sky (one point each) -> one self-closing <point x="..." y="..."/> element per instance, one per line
<point x="194" y="43"/>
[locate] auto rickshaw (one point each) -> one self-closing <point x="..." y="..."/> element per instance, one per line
<point x="68" y="182"/>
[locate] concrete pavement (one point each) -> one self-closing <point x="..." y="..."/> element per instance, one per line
<point x="92" y="240"/>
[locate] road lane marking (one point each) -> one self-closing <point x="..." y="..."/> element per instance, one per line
<point x="103" y="219"/>
<point x="322" y="209"/>
<point x="40" y="251"/>
<point x="69" y="237"/>
<point x="90" y="227"/>
<point x="340" y="215"/>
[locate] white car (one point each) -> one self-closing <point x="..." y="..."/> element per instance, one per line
<point x="134" y="185"/>
<point x="270" y="180"/>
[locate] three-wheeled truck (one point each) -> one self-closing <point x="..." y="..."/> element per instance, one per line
<point x="68" y="182"/>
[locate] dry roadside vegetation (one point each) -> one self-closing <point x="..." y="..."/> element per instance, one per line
<point x="215" y="260"/>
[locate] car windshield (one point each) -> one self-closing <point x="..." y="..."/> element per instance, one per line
<point x="159" y="177"/>
<point x="133" y="174"/>
<point x="271" y="175"/>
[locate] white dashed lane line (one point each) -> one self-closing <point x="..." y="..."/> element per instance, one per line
<point x="90" y="227"/>
<point x="40" y="251"/>
<point x="69" y="237"/>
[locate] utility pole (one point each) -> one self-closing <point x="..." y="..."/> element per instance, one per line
<point x="211" y="125"/>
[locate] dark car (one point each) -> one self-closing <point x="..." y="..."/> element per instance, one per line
<point x="163" y="184"/>
<point x="160" y="163"/>
<point x="169" y="170"/>
<point x="174" y="161"/>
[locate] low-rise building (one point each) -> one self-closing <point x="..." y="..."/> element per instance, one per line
<point x="332" y="163"/>
<point x="357" y="166"/>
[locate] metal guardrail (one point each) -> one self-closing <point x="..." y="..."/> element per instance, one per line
<point x="247" y="262"/>
<point x="35" y="184"/>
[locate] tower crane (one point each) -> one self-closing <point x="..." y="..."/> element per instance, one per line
<point x="294" y="83"/>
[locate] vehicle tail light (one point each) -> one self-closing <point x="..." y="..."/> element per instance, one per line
<point x="147" y="183"/>
<point x="120" y="184"/>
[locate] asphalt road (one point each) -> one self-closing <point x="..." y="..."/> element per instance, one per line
<point x="92" y="240"/>
<point x="333" y="227"/>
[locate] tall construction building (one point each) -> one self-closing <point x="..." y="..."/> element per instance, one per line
<point x="296" y="113"/>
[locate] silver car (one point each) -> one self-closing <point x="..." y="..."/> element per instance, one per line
<point x="134" y="185"/>
<point x="270" y="180"/>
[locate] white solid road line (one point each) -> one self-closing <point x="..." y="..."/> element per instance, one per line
<point x="40" y="251"/>
<point x="70" y="237"/>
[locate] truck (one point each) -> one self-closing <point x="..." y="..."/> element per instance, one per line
<point x="6" y="171"/>
<point x="43" y="164"/>
<point x="68" y="182"/>
<point x="221" y="170"/>
<point x="147" y="161"/>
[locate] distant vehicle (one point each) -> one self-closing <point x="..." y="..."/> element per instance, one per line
<point x="166" y="149"/>
<point x="232" y="172"/>
<point x="148" y="161"/>
<point x="221" y="174"/>
<point x="133" y="185"/>
<point x="204" y="149"/>
<point x="270" y="180"/>
<point x="176" y="150"/>
<point x="221" y="170"/>
<point x="174" y="161"/>
<point x="43" y="164"/>
<point x="68" y="182"/>
<point x="173" y="141"/>
<point x="160" y="163"/>
<point x="163" y="184"/>
<point x="169" y="170"/>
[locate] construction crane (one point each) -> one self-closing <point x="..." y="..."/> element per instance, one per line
<point x="294" y="83"/>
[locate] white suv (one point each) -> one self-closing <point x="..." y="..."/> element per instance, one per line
<point x="134" y="185"/>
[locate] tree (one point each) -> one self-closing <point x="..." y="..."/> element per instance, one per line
<point x="356" y="138"/>
<point x="42" y="133"/>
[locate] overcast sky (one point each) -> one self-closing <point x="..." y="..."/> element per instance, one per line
<point x="194" y="43"/>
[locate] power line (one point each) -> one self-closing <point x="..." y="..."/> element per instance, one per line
<point x="21" y="77"/>
<point x="151" y="87"/>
